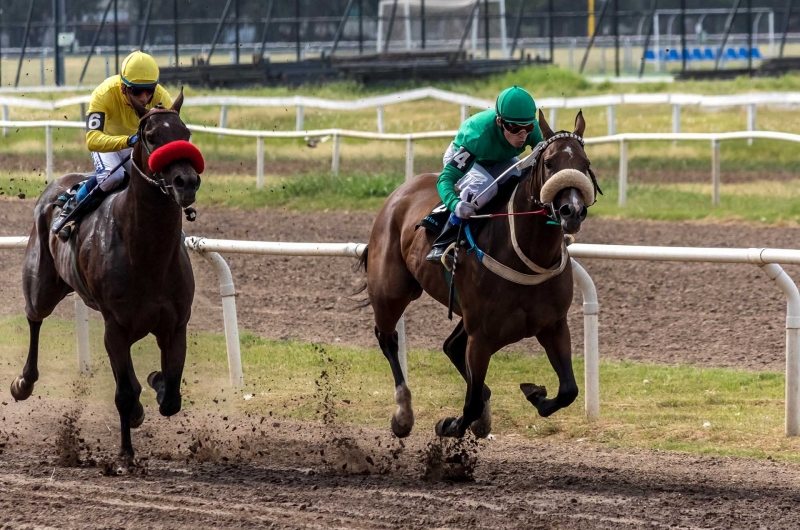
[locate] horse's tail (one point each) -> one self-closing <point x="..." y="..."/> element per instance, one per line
<point x="362" y="261"/>
<point x="362" y="265"/>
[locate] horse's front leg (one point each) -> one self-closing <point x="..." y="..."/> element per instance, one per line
<point x="131" y="413"/>
<point x="558" y="346"/>
<point x="167" y="382"/>
<point x="479" y="353"/>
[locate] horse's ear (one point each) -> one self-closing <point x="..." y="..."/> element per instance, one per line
<point x="547" y="132"/>
<point x="137" y="108"/>
<point x="580" y="124"/>
<point x="176" y="105"/>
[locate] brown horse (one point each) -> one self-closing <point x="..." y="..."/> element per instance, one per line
<point x="495" y="311"/>
<point x="127" y="261"/>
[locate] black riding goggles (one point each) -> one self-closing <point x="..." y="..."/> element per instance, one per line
<point x="515" y="128"/>
<point x="138" y="91"/>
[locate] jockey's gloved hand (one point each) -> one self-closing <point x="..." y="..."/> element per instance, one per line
<point x="465" y="209"/>
<point x="132" y="139"/>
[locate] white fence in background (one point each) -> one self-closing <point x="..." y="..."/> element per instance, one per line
<point x="337" y="134"/>
<point x="300" y="103"/>
<point x="767" y="259"/>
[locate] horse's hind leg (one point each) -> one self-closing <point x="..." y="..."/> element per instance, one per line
<point x="167" y="382"/>
<point x="131" y="413"/>
<point x="43" y="290"/>
<point x="391" y="288"/>
<point x="558" y="346"/>
<point x="478" y="356"/>
<point x="22" y="386"/>
<point x="455" y="347"/>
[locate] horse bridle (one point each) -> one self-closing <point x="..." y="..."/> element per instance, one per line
<point x="538" y="172"/>
<point x="191" y="213"/>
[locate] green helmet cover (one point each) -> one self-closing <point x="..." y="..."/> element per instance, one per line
<point x="515" y="105"/>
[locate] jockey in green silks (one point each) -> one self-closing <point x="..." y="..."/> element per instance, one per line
<point x="487" y="144"/>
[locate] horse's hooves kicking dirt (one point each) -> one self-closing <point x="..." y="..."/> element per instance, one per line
<point x="533" y="393"/>
<point x="401" y="431"/>
<point x="137" y="416"/>
<point x="447" y="428"/>
<point x="19" y="390"/>
<point x="482" y="427"/>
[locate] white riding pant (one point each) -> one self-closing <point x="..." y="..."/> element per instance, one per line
<point x="105" y="162"/>
<point x="480" y="177"/>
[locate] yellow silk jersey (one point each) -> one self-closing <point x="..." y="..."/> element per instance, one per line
<point x="110" y="120"/>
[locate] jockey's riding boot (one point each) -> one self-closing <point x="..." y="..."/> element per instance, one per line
<point x="448" y="236"/>
<point x="60" y="225"/>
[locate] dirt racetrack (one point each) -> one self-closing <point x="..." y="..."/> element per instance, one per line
<point x="55" y="469"/>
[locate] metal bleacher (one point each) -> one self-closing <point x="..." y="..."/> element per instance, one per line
<point x="704" y="54"/>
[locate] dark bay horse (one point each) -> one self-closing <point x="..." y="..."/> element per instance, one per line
<point x="495" y="311"/>
<point x="127" y="261"/>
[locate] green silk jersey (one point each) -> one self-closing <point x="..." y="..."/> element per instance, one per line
<point x="480" y="140"/>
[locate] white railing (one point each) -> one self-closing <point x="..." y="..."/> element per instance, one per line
<point x="610" y="101"/>
<point x="337" y="134"/>
<point x="767" y="259"/>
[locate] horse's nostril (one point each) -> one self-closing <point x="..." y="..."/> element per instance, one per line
<point x="565" y="210"/>
<point x="178" y="182"/>
<point x="584" y="212"/>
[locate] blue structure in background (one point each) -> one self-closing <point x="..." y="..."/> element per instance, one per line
<point x="706" y="54"/>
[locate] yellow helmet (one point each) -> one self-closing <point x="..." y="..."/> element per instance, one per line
<point x="139" y="70"/>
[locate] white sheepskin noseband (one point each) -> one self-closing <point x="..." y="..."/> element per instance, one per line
<point x="568" y="178"/>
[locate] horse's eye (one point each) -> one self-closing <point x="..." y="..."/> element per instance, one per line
<point x="548" y="164"/>
<point x="151" y="138"/>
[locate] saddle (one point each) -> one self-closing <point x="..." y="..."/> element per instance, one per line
<point x="91" y="203"/>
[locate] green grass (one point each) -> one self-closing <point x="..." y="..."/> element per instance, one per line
<point x="714" y="411"/>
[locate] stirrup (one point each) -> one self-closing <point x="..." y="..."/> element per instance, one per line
<point x="448" y="263"/>
<point x="66" y="231"/>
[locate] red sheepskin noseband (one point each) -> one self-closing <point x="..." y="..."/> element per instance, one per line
<point x="177" y="150"/>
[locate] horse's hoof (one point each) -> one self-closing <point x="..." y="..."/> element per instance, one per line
<point x="446" y="428"/>
<point x="482" y="427"/>
<point x="533" y="393"/>
<point x="155" y="379"/>
<point x="137" y="416"/>
<point x="19" y="390"/>
<point x="401" y="431"/>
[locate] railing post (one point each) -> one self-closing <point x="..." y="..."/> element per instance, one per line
<point x="591" y="353"/>
<point x="82" y="335"/>
<point x="260" y="162"/>
<point x="380" y="120"/>
<point x="463" y="113"/>
<point x="5" y="118"/>
<point x="751" y="121"/>
<point x="409" y="158"/>
<point x="612" y="120"/>
<point x="223" y="118"/>
<point x="551" y="119"/>
<point x="623" y="173"/>
<point x="48" y="146"/>
<point x="792" y="406"/>
<point x="228" y="292"/>
<point x="337" y="139"/>
<point x="715" y="169"/>
<point x="298" y="126"/>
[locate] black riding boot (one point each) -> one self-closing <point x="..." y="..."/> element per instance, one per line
<point x="60" y="225"/>
<point x="448" y="236"/>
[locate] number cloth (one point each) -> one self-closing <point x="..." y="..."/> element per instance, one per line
<point x="110" y="120"/>
<point x="480" y="143"/>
